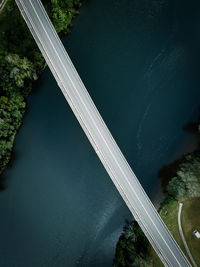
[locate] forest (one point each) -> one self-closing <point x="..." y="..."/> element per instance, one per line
<point x="21" y="64"/>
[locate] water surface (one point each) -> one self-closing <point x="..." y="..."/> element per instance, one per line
<point x="60" y="207"/>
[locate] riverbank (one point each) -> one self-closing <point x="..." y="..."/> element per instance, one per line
<point x="183" y="188"/>
<point x="60" y="207"/>
<point x="190" y="221"/>
<point x="21" y="64"/>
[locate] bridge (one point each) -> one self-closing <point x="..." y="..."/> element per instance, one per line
<point x="2" y="4"/>
<point x="98" y="134"/>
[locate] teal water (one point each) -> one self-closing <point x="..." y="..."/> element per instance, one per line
<point x="139" y="62"/>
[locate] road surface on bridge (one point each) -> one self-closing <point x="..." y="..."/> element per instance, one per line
<point x="99" y="135"/>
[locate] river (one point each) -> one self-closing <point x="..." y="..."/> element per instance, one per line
<point x="60" y="208"/>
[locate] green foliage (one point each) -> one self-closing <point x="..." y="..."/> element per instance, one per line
<point x="61" y="13"/>
<point x="187" y="182"/>
<point x="11" y="113"/>
<point x="176" y="188"/>
<point x="20" y="64"/>
<point x="132" y="247"/>
<point x="15" y="71"/>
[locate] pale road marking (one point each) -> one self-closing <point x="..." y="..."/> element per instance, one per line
<point x="99" y="131"/>
<point x="106" y="142"/>
<point x="2" y="5"/>
<point x="104" y="161"/>
<point x="182" y="235"/>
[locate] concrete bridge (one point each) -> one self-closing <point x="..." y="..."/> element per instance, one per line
<point x="98" y="134"/>
<point x="2" y="4"/>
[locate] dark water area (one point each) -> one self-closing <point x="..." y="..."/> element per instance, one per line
<point x="140" y="63"/>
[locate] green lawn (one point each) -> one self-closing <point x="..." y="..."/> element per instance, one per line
<point x="190" y="221"/>
<point x="171" y="221"/>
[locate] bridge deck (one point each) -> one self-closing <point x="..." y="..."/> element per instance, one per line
<point x="99" y="135"/>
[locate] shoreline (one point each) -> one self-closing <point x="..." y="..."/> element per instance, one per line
<point x="22" y="90"/>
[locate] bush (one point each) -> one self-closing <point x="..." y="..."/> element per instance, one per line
<point x="187" y="181"/>
<point x="132" y="247"/>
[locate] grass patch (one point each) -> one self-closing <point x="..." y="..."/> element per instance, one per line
<point x="155" y="260"/>
<point x="190" y="222"/>
<point x="171" y="220"/>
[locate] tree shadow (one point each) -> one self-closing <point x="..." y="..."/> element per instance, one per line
<point x="191" y="127"/>
<point x="2" y="183"/>
<point x="194" y="129"/>
<point x="167" y="172"/>
<point x="10" y="165"/>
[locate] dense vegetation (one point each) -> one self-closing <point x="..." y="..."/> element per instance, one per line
<point x="132" y="247"/>
<point x="20" y="65"/>
<point x="185" y="187"/>
<point x="187" y="181"/>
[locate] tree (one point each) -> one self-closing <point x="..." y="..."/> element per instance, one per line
<point x="20" y="69"/>
<point x="132" y="247"/>
<point x="187" y="181"/>
<point x="176" y="188"/>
